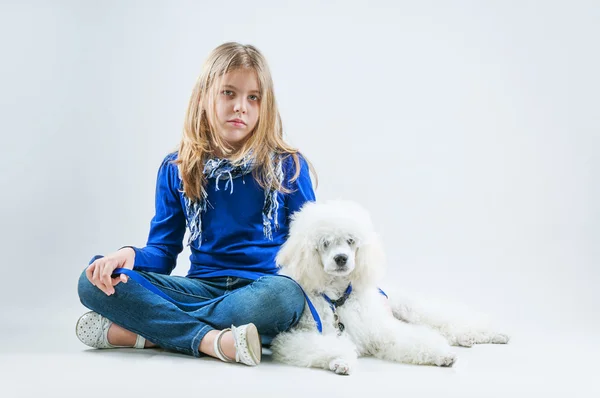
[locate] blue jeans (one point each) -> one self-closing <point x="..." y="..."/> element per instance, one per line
<point x="273" y="303"/>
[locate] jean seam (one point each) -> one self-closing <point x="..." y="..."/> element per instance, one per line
<point x="197" y="339"/>
<point x="179" y="291"/>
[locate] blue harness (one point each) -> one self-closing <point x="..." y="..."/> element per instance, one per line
<point x="333" y="305"/>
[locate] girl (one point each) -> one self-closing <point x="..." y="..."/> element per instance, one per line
<point x="234" y="183"/>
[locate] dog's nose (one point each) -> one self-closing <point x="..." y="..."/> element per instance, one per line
<point x="340" y="259"/>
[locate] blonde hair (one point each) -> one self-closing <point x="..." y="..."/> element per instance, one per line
<point x="200" y="141"/>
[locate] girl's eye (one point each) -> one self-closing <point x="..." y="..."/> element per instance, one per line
<point x="254" y="98"/>
<point x="350" y="241"/>
<point x="227" y="92"/>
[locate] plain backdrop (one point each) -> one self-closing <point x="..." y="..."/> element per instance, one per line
<point x="469" y="129"/>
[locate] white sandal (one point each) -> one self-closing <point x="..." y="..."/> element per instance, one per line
<point x="92" y="330"/>
<point x="248" y="347"/>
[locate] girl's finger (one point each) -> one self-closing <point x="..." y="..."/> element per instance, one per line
<point x="98" y="277"/>
<point x="106" y="279"/>
<point x="95" y="273"/>
<point x="89" y="272"/>
<point x="119" y="279"/>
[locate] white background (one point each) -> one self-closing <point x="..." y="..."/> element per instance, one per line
<point x="469" y="129"/>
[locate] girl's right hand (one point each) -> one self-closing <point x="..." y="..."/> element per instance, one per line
<point x="99" y="272"/>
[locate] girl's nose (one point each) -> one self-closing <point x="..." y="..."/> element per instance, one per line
<point x="239" y="107"/>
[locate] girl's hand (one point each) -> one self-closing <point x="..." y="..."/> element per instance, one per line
<point x="100" y="271"/>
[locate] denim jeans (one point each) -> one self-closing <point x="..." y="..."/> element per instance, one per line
<point x="273" y="303"/>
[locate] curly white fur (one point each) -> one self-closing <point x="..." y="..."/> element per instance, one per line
<point x="331" y="245"/>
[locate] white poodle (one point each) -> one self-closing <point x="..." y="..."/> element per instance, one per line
<point x="334" y="253"/>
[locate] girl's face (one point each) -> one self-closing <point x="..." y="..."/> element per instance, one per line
<point x="237" y="105"/>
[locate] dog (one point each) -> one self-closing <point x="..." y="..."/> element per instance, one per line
<point x="335" y="255"/>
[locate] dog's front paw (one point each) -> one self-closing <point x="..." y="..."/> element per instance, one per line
<point x="340" y="366"/>
<point x="441" y="355"/>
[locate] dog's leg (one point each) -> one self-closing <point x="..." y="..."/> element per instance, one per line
<point x="459" y="329"/>
<point x="310" y="349"/>
<point x="414" y="344"/>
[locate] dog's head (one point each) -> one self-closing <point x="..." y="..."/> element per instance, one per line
<point x="329" y="240"/>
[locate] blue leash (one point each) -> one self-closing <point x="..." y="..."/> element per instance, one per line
<point x="148" y="285"/>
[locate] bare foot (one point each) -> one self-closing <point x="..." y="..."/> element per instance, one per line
<point x="227" y="344"/>
<point x="123" y="337"/>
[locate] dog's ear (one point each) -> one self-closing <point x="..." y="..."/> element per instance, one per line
<point x="288" y="254"/>
<point x="298" y="258"/>
<point x="370" y="262"/>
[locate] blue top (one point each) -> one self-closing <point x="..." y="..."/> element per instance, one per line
<point x="233" y="241"/>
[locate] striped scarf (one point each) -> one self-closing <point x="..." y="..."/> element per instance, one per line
<point x="223" y="169"/>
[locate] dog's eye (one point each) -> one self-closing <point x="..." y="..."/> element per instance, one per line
<point x="350" y="241"/>
<point x="325" y="244"/>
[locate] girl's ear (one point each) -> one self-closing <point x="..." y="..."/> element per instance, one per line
<point x="370" y="263"/>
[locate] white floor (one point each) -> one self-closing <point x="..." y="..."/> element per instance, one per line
<point x="42" y="357"/>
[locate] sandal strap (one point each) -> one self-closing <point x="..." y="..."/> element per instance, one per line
<point x="217" y="347"/>
<point x="140" y="342"/>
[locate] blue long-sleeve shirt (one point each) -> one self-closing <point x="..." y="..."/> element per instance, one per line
<point x="233" y="241"/>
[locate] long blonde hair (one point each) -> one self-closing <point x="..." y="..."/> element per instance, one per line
<point x="200" y="141"/>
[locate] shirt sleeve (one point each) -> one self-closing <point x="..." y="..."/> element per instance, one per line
<point x="302" y="188"/>
<point x="167" y="227"/>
